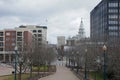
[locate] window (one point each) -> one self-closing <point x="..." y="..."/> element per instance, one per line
<point x="13" y="39"/>
<point x="113" y="16"/>
<point x="19" y="33"/>
<point x="35" y="35"/>
<point x="34" y="31"/>
<point x="113" y="10"/>
<point x="1" y="38"/>
<point x="113" y="28"/>
<point x="113" y="33"/>
<point x="39" y="39"/>
<point x="1" y="49"/>
<point x="39" y="43"/>
<point x="111" y="4"/>
<point x="1" y="33"/>
<point x="39" y="35"/>
<point x="13" y="44"/>
<point x="19" y="38"/>
<point x="39" y="31"/>
<point x="7" y="39"/>
<point x="7" y="44"/>
<point x="113" y="22"/>
<point x="13" y="34"/>
<point x="8" y="34"/>
<point x="1" y="43"/>
<point x="7" y="49"/>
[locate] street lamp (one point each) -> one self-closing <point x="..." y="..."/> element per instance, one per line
<point x="20" y="65"/>
<point x="16" y="49"/>
<point x="77" y="61"/>
<point x="85" y="64"/>
<point x="97" y="61"/>
<point x="72" y="60"/>
<point x="104" y="49"/>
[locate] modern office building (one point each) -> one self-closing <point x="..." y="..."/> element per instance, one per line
<point x="105" y="21"/>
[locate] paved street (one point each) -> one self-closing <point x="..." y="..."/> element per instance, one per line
<point x="62" y="73"/>
<point x="5" y="69"/>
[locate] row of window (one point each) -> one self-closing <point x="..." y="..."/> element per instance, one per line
<point x="113" y="22"/>
<point x="113" y="28"/>
<point x="113" y="10"/>
<point x="113" y="33"/>
<point x="34" y="31"/>
<point x="39" y="35"/>
<point x="8" y="39"/>
<point x="7" y="49"/>
<point x="8" y="34"/>
<point x="19" y="33"/>
<point x="113" y="16"/>
<point x="8" y="44"/>
<point x="111" y="4"/>
<point x="13" y="34"/>
<point x="19" y="38"/>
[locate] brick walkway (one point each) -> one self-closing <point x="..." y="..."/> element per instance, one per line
<point x="62" y="73"/>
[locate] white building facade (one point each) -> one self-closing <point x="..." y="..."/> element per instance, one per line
<point x="60" y="41"/>
<point x="40" y="32"/>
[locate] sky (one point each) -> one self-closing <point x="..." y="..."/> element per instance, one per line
<point x="62" y="17"/>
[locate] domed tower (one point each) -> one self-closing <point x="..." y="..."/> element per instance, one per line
<point x="81" y="33"/>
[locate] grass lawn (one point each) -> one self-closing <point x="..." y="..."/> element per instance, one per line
<point x="42" y="68"/>
<point x="99" y="76"/>
<point x="11" y="77"/>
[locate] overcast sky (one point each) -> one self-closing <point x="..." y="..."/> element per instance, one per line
<point x="61" y="16"/>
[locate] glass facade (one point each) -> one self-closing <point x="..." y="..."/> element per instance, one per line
<point x="105" y="19"/>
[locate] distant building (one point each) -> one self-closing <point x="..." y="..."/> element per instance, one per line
<point x="22" y="37"/>
<point x="72" y="41"/>
<point x="81" y="33"/>
<point x="60" y="41"/>
<point x="105" y="21"/>
<point x="9" y="39"/>
<point x="40" y="32"/>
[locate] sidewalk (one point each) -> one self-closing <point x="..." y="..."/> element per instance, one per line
<point x="5" y="69"/>
<point x="62" y="73"/>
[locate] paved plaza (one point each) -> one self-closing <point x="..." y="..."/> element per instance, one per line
<point x="62" y="73"/>
<point x="5" y="69"/>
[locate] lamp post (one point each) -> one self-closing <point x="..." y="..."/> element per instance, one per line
<point x="72" y="60"/>
<point x="104" y="49"/>
<point x="20" y="65"/>
<point x="97" y="61"/>
<point x="15" y="78"/>
<point x="85" y="64"/>
<point x="77" y="61"/>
